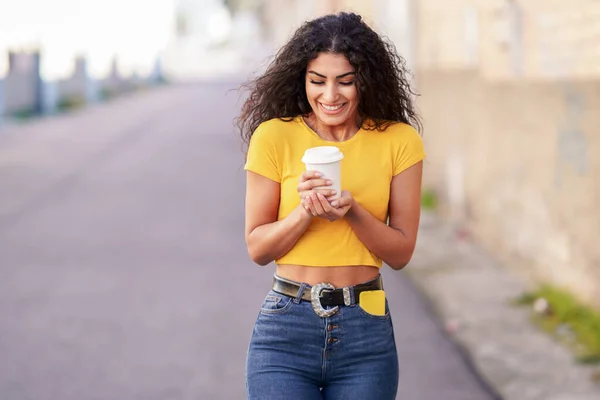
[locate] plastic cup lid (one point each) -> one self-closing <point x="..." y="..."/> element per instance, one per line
<point x="322" y="155"/>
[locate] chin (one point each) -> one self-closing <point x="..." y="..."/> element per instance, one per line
<point x="333" y="119"/>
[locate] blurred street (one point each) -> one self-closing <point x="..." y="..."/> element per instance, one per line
<point x="123" y="268"/>
<point x="124" y="273"/>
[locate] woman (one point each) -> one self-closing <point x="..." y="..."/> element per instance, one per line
<point x="319" y="334"/>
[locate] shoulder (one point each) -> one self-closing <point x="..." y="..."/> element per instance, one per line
<point x="396" y="132"/>
<point x="406" y="139"/>
<point x="401" y="130"/>
<point x="274" y="129"/>
<point x="404" y="142"/>
<point x="275" y="124"/>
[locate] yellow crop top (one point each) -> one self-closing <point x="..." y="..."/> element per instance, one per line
<point x="371" y="159"/>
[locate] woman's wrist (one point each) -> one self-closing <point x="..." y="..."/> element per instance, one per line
<point x="352" y="211"/>
<point x="303" y="215"/>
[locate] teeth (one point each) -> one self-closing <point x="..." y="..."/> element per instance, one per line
<point x="332" y="108"/>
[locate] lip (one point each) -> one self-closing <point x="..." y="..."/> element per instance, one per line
<point x="328" y="112"/>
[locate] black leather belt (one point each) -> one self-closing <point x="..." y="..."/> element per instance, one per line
<point x="328" y="296"/>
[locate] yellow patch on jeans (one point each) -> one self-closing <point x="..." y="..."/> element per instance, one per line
<point x="373" y="302"/>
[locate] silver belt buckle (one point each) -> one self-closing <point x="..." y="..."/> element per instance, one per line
<point x="315" y="299"/>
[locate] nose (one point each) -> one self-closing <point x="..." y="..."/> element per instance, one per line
<point x="330" y="94"/>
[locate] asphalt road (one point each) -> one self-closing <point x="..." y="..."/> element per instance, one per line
<point x="123" y="269"/>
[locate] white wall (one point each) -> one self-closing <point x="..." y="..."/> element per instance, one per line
<point x="133" y="30"/>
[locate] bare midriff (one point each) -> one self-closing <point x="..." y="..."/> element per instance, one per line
<point x="338" y="276"/>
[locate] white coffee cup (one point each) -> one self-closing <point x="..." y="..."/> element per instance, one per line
<point x="327" y="160"/>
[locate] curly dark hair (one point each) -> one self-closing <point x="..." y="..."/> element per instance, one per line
<point x="384" y="91"/>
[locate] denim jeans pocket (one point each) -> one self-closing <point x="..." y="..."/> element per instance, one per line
<point x="275" y="304"/>
<point x="384" y="317"/>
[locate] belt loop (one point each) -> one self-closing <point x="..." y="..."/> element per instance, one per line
<point x="298" y="298"/>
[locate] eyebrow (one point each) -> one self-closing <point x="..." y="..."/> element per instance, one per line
<point x="337" y="77"/>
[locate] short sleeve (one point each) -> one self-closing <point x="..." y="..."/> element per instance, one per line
<point x="262" y="154"/>
<point x="410" y="149"/>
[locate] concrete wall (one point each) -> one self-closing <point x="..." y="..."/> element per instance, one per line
<point x="76" y="85"/>
<point x="1" y="101"/>
<point x="22" y="83"/>
<point x="507" y="39"/>
<point x="510" y="93"/>
<point x="283" y="17"/>
<point x="518" y="164"/>
<point x="24" y="92"/>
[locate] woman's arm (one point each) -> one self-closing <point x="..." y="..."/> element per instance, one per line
<point x="395" y="243"/>
<point x="268" y="239"/>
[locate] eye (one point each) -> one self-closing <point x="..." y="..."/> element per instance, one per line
<point x="316" y="83"/>
<point x="347" y="83"/>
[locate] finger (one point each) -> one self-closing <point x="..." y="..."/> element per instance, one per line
<point x="326" y="192"/>
<point x="313" y="183"/>
<point x="320" y="183"/>
<point x="324" y="203"/>
<point x="303" y="195"/>
<point x="333" y="196"/>
<point x="332" y="213"/>
<point x="311" y="206"/>
<point x="335" y="213"/>
<point x="341" y="202"/>
<point x="306" y="175"/>
<point x="305" y="205"/>
<point x="317" y="203"/>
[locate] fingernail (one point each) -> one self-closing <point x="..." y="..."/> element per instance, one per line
<point x="307" y="198"/>
<point x="318" y="174"/>
<point x="333" y="192"/>
<point x="335" y="203"/>
<point x="328" y="182"/>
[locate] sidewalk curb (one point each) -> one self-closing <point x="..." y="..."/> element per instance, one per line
<point x="461" y="348"/>
<point x="470" y="292"/>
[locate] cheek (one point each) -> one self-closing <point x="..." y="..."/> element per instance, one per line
<point x="351" y="93"/>
<point x="310" y="92"/>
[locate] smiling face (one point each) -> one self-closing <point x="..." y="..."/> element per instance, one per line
<point x="331" y="89"/>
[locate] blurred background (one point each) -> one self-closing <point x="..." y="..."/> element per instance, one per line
<point x="109" y="111"/>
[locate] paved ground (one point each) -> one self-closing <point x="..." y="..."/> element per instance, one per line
<point x="123" y="270"/>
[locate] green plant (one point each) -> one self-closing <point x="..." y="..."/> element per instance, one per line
<point x="428" y="199"/>
<point x="565" y="313"/>
<point x="107" y="94"/>
<point x="24" y="114"/>
<point x="70" y="103"/>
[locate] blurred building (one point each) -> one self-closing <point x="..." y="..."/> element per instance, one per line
<point x="23" y="82"/>
<point x="534" y="39"/>
<point x="502" y="38"/>
<point x="509" y="92"/>
<point x="391" y="17"/>
<point x="211" y="38"/>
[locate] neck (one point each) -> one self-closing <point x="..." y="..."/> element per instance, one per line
<point x="334" y="133"/>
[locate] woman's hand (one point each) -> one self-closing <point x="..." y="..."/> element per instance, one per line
<point x="319" y="206"/>
<point x="311" y="182"/>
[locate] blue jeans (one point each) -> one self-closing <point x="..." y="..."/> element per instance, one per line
<point x="296" y="355"/>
